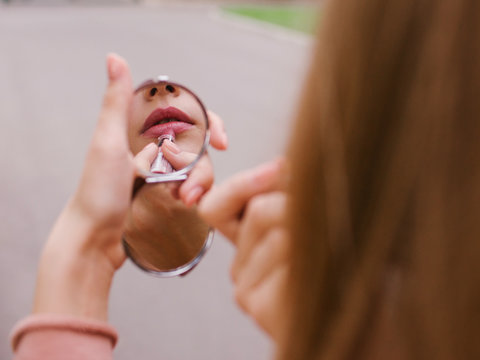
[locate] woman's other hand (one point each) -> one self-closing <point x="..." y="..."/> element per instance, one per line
<point x="250" y="210"/>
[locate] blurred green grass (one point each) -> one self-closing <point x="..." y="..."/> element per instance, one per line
<point x="299" y="18"/>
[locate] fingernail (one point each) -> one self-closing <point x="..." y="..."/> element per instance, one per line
<point x="113" y="66"/>
<point x="151" y="146"/>
<point x="194" y="195"/>
<point x="172" y="147"/>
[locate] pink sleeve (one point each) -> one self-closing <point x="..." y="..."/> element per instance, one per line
<point x="60" y="337"/>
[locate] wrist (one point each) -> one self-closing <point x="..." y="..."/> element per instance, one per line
<point x="76" y="268"/>
<point x="79" y="287"/>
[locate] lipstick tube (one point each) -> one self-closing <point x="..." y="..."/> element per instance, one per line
<point x="161" y="165"/>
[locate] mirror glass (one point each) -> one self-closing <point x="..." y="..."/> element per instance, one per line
<point x="162" y="236"/>
<point x="165" y="112"/>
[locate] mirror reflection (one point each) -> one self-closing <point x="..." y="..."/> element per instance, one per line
<point x="171" y="116"/>
<point x="162" y="235"/>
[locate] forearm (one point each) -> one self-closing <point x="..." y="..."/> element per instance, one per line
<point x="71" y="298"/>
<point x="73" y="277"/>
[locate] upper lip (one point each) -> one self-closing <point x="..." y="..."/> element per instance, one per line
<point x="161" y="114"/>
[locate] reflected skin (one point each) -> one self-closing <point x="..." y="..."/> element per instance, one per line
<point x="164" y="96"/>
<point x="161" y="232"/>
<point x="151" y="96"/>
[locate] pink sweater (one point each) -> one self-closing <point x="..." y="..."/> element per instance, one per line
<point x="62" y="337"/>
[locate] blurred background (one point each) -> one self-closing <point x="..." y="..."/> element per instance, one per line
<point x="247" y="62"/>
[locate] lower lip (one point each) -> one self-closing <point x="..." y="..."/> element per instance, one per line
<point x="171" y="128"/>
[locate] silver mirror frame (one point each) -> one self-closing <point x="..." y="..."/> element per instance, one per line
<point x="180" y="175"/>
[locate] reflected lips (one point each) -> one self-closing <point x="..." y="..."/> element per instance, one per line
<point x="163" y="121"/>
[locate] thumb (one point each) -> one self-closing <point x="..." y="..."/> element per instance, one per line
<point x="118" y="96"/>
<point x="143" y="160"/>
<point x="176" y="157"/>
<point x="218" y="136"/>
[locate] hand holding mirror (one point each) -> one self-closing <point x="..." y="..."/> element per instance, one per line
<point x="162" y="235"/>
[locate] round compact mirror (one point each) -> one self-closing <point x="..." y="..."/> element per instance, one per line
<point x="162" y="236"/>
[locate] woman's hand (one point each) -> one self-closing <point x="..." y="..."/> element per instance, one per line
<point x="84" y="248"/>
<point x="250" y="210"/>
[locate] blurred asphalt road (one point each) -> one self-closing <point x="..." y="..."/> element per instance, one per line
<point x="51" y="82"/>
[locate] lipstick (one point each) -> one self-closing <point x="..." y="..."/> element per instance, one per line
<point x="161" y="165"/>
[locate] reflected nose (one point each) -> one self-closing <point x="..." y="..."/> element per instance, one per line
<point x="160" y="90"/>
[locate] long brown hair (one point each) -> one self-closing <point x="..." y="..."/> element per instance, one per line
<point x="385" y="195"/>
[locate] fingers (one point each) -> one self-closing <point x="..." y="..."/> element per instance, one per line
<point x="175" y="156"/>
<point x="266" y="302"/>
<point x="143" y="160"/>
<point x="200" y="178"/>
<point x="263" y="213"/>
<point x="198" y="182"/>
<point x="223" y="206"/>
<point x="218" y="136"/>
<point x="270" y="252"/>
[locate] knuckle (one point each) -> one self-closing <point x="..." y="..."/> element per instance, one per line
<point x="115" y="96"/>
<point x="207" y="180"/>
<point x="279" y="197"/>
<point x="255" y="209"/>
<point x="203" y="173"/>
<point x="277" y="236"/>
<point x="207" y="211"/>
<point x="142" y="164"/>
<point x="239" y="296"/>
<point x="238" y="181"/>
<point x="204" y="211"/>
<point x="234" y="272"/>
<point x="278" y="244"/>
<point x="109" y="144"/>
<point x="109" y="100"/>
<point x="255" y="308"/>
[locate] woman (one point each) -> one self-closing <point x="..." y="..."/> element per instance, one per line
<point x="382" y="220"/>
<point x="83" y="250"/>
<point x="371" y="249"/>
